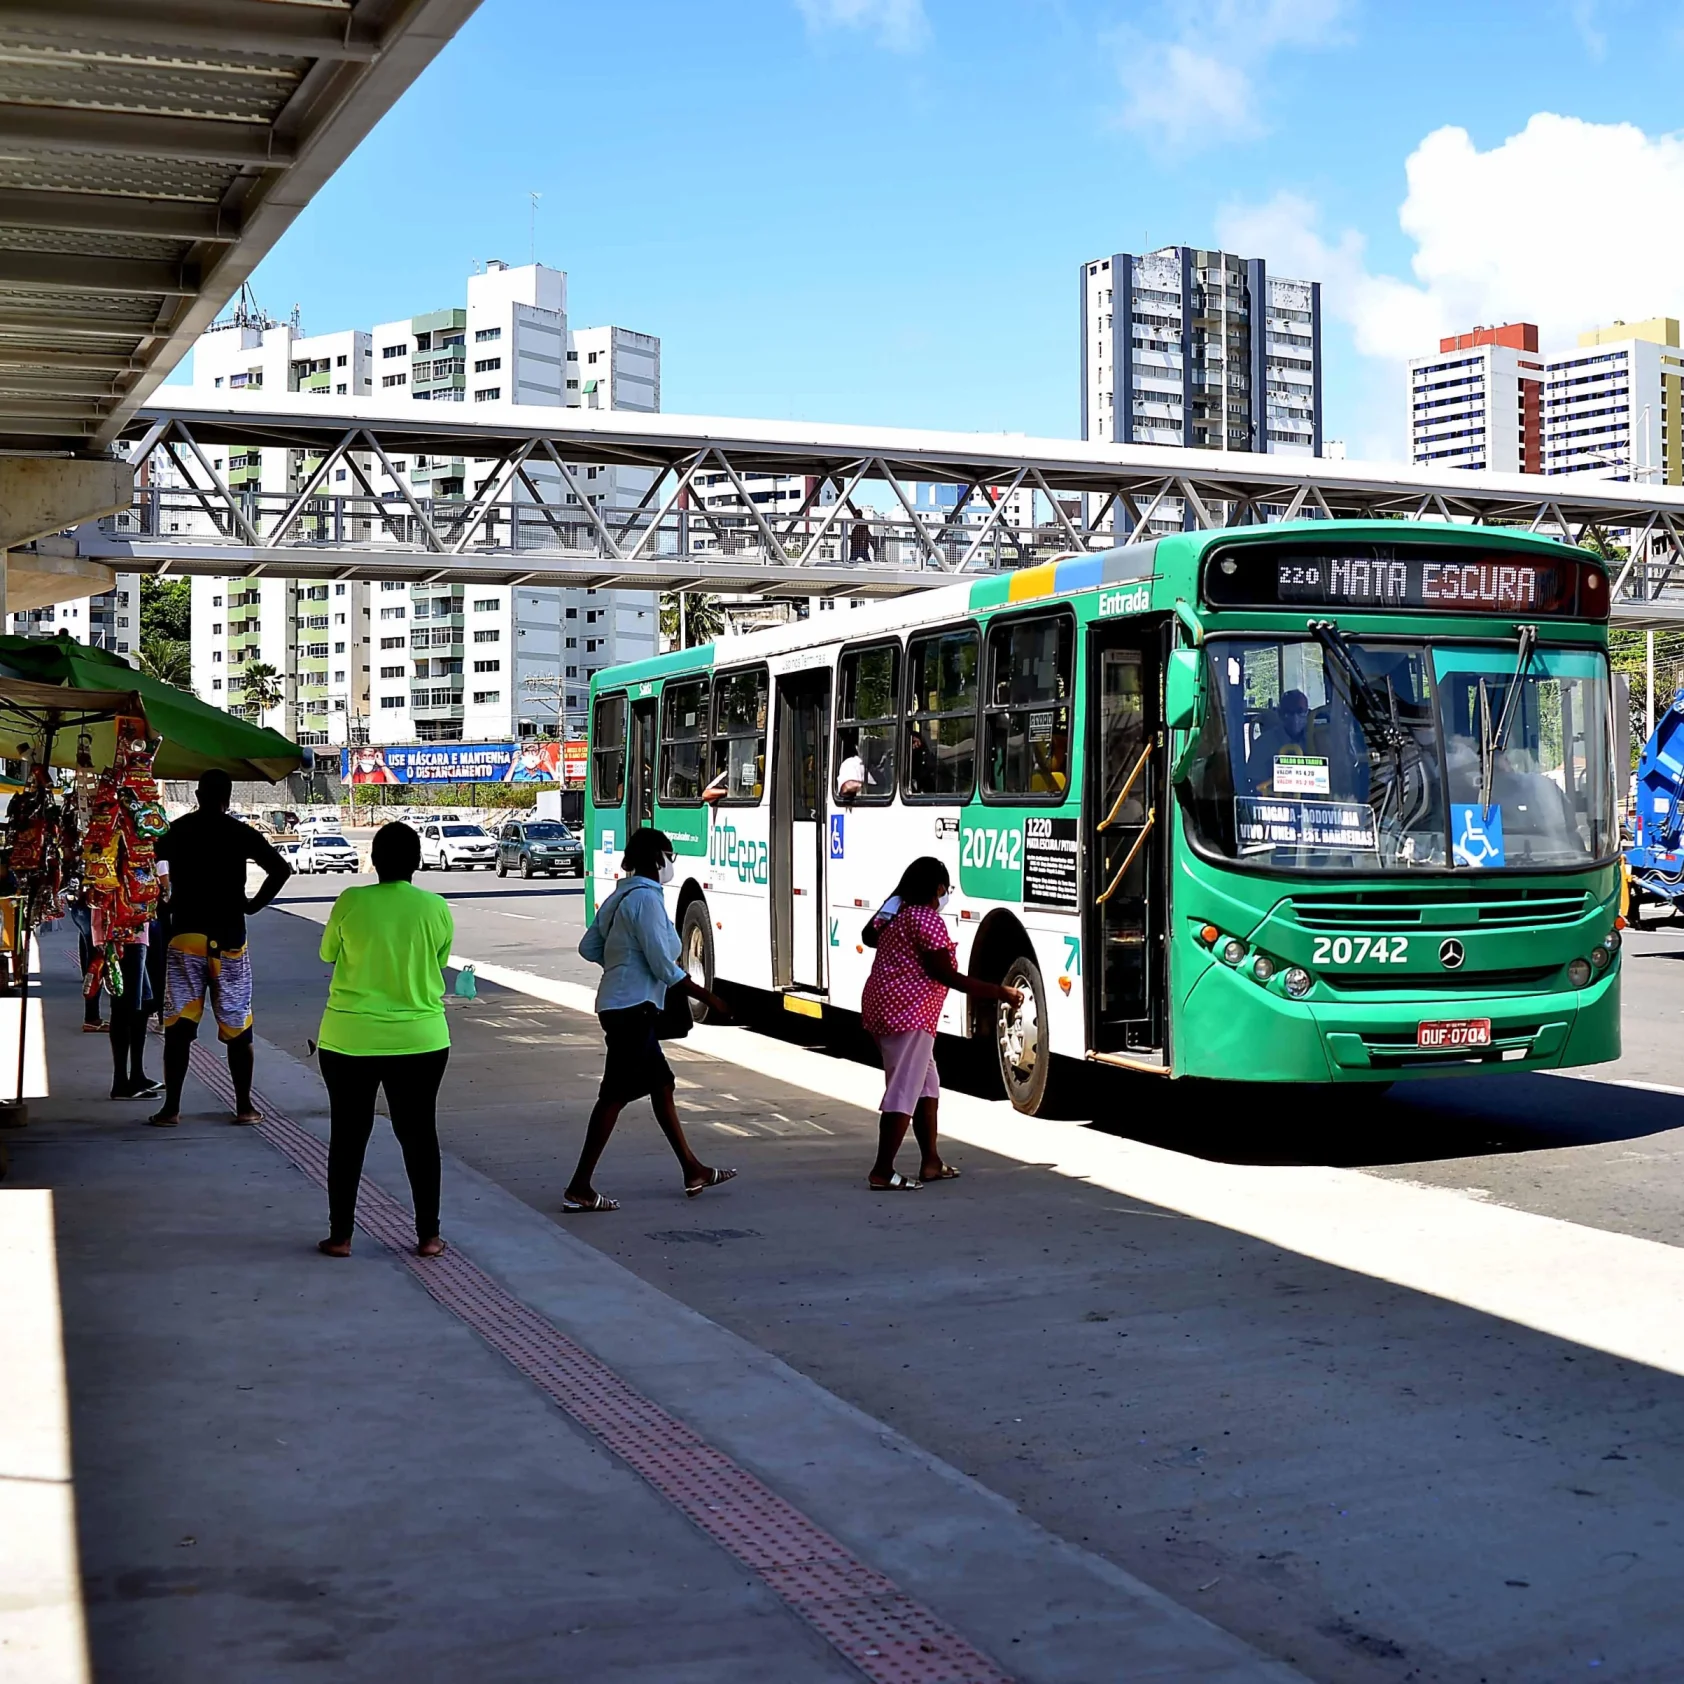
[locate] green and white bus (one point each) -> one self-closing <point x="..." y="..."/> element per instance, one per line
<point x="1323" y="801"/>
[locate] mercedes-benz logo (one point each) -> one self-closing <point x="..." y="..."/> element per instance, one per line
<point x="1450" y="954"/>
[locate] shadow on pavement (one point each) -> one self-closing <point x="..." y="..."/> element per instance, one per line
<point x="1257" y="1123"/>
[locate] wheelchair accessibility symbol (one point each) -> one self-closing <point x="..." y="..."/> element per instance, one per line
<point x="1476" y="834"/>
<point x="836" y="835"/>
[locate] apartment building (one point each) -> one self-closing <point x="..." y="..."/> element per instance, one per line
<point x="394" y="663"/>
<point x="1612" y="405"/>
<point x="110" y="620"/>
<point x="1200" y="349"/>
<point x="1479" y="402"/>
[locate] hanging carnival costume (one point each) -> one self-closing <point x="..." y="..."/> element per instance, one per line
<point x="119" y="856"/>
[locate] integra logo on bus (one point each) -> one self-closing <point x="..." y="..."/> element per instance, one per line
<point x="741" y="854"/>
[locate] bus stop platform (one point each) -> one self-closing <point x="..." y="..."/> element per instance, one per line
<point x="224" y="1457"/>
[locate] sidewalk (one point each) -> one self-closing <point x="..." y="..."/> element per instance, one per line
<point x="359" y="1471"/>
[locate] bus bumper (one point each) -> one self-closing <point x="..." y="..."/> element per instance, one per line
<point x="1233" y="1030"/>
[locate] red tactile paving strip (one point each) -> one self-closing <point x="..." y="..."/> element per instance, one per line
<point x="863" y="1615"/>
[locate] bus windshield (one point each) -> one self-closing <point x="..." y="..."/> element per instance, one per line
<point x="1325" y="753"/>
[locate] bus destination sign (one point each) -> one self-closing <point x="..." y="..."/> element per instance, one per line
<point x="1437" y="578"/>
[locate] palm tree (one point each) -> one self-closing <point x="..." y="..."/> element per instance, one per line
<point x="264" y="689"/>
<point x="168" y="660"/>
<point x="703" y="619"/>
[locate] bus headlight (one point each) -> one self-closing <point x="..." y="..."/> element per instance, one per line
<point x="1233" y="951"/>
<point x="1297" y="981"/>
<point x="1613" y="941"/>
<point x="1599" y="956"/>
<point x="1578" y="972"/>
<point x="1262" y="967"/>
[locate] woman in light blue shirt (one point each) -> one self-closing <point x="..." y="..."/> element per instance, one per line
<point x="633" y="940"/>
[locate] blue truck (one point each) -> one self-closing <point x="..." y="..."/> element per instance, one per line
<point x="1655" y="860"/>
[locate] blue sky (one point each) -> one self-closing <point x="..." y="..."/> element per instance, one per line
<point x="874" y="210"/>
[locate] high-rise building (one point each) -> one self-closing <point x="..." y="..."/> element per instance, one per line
<point x="1201" y="349"/>
<point x="392" y="662"/>
<point x="1612" y="406"/>
<point x="1479" y="402"/>
<point x="110" y="620"/>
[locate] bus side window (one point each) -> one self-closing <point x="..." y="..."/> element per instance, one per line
<point x="1027" y="743"/>
<point x="941" y="715"/>
<point x="684" y="723"/>
<point x="608" y="751"/>
<point x="739" y="735"/>
<point x="867" y="720"/>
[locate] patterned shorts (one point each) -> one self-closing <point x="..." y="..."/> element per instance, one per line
<point x="196" y="969"/>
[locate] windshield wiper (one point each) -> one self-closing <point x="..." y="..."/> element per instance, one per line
<point x="1492" y="743"/>
<point x="1376" y="713"/>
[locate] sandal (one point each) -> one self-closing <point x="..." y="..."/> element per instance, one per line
<point x="597" y="1201"/>
<point x="715" y="1178"/>
<point x="946" y="1173"/>
<point x="334" y="1248"/>
<point x="897" y="1183"/>
<point x="433" y="1247"/>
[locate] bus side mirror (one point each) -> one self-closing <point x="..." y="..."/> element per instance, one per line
<point x="1184" y="690"/>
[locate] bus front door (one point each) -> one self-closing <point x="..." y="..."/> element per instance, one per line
<point x="1126" y="825"/>
<point x="640" y="766"/>
<point x="800" y="780"/>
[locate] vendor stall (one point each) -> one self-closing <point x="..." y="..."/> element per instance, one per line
<point x="67" y="707"/>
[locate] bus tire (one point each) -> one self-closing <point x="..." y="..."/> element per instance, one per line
<point x="1020" y="1038"/>
<point x="695" y="952"/>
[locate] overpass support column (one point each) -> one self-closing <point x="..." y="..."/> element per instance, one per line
<point x="42" y="495"/>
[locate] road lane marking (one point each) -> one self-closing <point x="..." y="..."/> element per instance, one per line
<point x="1608" y="1292"/>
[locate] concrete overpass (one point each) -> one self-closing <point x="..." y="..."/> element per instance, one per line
<point x="1029" y="498"/>
<point x="151" y="153"/>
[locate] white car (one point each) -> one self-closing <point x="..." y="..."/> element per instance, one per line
<point x="456" y="847"/>
<point x="325" y="852"/>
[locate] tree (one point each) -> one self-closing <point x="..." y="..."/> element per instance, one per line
<point x="263" y="686"/>
<point x="704" y="619"/>
<point x="167" y="659"/>
<point x="165" y="609"/>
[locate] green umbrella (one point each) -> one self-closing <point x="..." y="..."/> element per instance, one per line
<point x="196" y="736"/>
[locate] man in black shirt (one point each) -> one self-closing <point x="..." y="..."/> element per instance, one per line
<point x="207" y="853"/>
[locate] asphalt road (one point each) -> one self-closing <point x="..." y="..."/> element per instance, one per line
<point x="1372" y="1482"/>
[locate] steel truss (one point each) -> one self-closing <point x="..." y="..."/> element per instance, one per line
<point x="527" y="516"/>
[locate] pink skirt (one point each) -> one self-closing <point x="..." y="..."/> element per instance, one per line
<point x="909" y="1066"/>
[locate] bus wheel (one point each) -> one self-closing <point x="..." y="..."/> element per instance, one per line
<point x="695" y="952"/>
<point x="1020" y="1038"/>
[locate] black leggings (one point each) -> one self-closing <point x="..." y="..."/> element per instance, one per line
<point x="90" y="1002"/>
<point x="412" y="1083"/>
<point x="128" y="1023"/>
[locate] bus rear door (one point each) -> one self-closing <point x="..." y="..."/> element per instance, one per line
<point x="800" y="780"/>
<point x="1126" y="827"/>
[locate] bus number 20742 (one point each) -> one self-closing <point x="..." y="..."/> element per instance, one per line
<point x="1002" y="850"/>
<point x="1353" y="950"/>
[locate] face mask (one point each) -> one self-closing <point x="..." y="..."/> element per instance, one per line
<point x="666" y="871"/>
<point x="941" y="905"/>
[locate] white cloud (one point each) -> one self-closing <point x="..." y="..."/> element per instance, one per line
<point x="899" y="25"/>
<point x="1197" y="88"/>
<point x="1567" y="224"/>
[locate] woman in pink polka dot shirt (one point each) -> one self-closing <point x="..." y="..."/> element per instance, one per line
<point x="901" y="1007"/>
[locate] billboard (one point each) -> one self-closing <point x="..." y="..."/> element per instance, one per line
<point x="533" y="761"/>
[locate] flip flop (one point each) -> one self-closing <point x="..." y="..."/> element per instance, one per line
<point x="597" y="1201"/>
<point x="897" y="1183"/>
<point x="435" y="1247"/>
<point x="715" y="1178"/>
<point x="159" y="1121"/>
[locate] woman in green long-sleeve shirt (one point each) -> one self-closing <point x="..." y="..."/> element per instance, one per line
<point x="384" y="1026"/>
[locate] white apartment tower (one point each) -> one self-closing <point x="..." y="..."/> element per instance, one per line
<point x="1479" y="402"/>
<point x="110" y="620"/>
<point x="395" y="663"/>
<point x="1612" y="406"/>
<point x="1200" y="349"/>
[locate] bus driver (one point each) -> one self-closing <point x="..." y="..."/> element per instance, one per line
<point x="1289" y="735"/>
